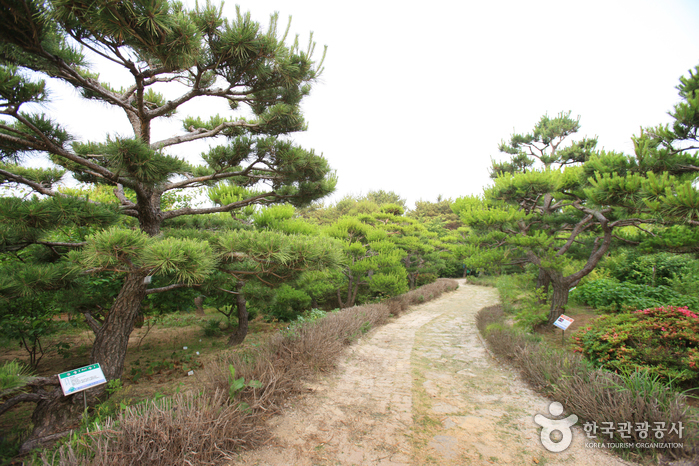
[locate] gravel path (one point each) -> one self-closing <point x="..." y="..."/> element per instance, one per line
<point x="421" y="390"/>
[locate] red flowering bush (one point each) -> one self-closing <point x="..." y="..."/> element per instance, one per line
<point x="664" y="340"/>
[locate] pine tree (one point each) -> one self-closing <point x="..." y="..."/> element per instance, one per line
<point x="541" y="213"/>
<point x="164" y="50"/>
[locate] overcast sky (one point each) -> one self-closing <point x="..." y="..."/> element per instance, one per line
<point x="416" y="96"/>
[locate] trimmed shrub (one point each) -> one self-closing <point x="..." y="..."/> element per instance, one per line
<point x="662" y="340"/>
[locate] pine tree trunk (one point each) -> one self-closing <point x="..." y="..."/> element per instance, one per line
<point x="241" y="332"/>
<point x="109" y="349"/>
<point x="56" y="415"/>
<point x="559" y="300"/>
<point x="353" y="295"/>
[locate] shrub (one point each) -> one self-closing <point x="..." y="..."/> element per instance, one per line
<point x="612" y="295"/>
<point x="211" y="328"/>
<point x="652" y="269"/>
<point x="662" y="340"/>
<point x="289" y="303"/>
<point x="512" y="288"/>
<point x="184" y="429"/>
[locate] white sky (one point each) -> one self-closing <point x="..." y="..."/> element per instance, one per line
<point x="416" y="96"/>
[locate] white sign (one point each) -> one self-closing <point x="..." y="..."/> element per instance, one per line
<point x="81" y="379"/>
<point x="563" y="322"/>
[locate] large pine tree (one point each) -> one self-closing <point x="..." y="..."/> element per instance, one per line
<point x="163" y="50"/>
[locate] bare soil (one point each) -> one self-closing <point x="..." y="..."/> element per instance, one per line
<point x="420" y="390"/>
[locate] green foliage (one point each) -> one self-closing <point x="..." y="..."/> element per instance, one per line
<point x="426" y="279"/>
<point x="237" y="385"/>
<point x="662" y="340"/>
<point x="30" y="321"/>
<point x="289" y="303"/>
<point x="180" y="300"/>
<point x="13" y="375"/>
<point x="320" y="285"/>
<point x="611" y="295"/>
<point x="306" y="318"/>
<point x="531" y="313"/>
<point x="512" y="288"/>
<point x="653" y="270"/>
<point x="212" y="328"/>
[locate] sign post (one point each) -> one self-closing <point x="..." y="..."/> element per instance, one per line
<point x="563" y="322"/>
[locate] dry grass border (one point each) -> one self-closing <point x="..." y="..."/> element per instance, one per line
<point x="206" y="428"/>
<point x="592" y="394"/>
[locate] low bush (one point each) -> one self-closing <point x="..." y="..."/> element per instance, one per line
<point x="595" y="395"/>
<point x="662" y="340"/>
<point x="289" y="303"/>
<point x="184" y="429"/>
<point x="651" y="269"/>
<point x="611" y="295"/>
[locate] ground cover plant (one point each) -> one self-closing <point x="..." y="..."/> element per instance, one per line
<point x="241" y="388"/>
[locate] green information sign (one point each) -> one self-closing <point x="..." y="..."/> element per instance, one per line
<point x="81" y="379"/>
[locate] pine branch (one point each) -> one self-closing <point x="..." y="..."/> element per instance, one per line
<point x="55" y="149"/>
<point x="223" y="208"/>
<point x="22" y="398"/>
<point x="170" y="287"/>
<point x="215" y="176"/>
<point x="201" y="133"/>
<point x="38" y="187"/>
<point x="119" y="193"/>
<point x="92" y="322"/>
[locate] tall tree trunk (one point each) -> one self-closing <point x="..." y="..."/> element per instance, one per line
<point x="55" y="415"/>
<point x="241" y="332"/>
<point x="353" y="295"/>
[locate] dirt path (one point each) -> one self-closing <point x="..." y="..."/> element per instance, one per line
<point x="420" y="390"/>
